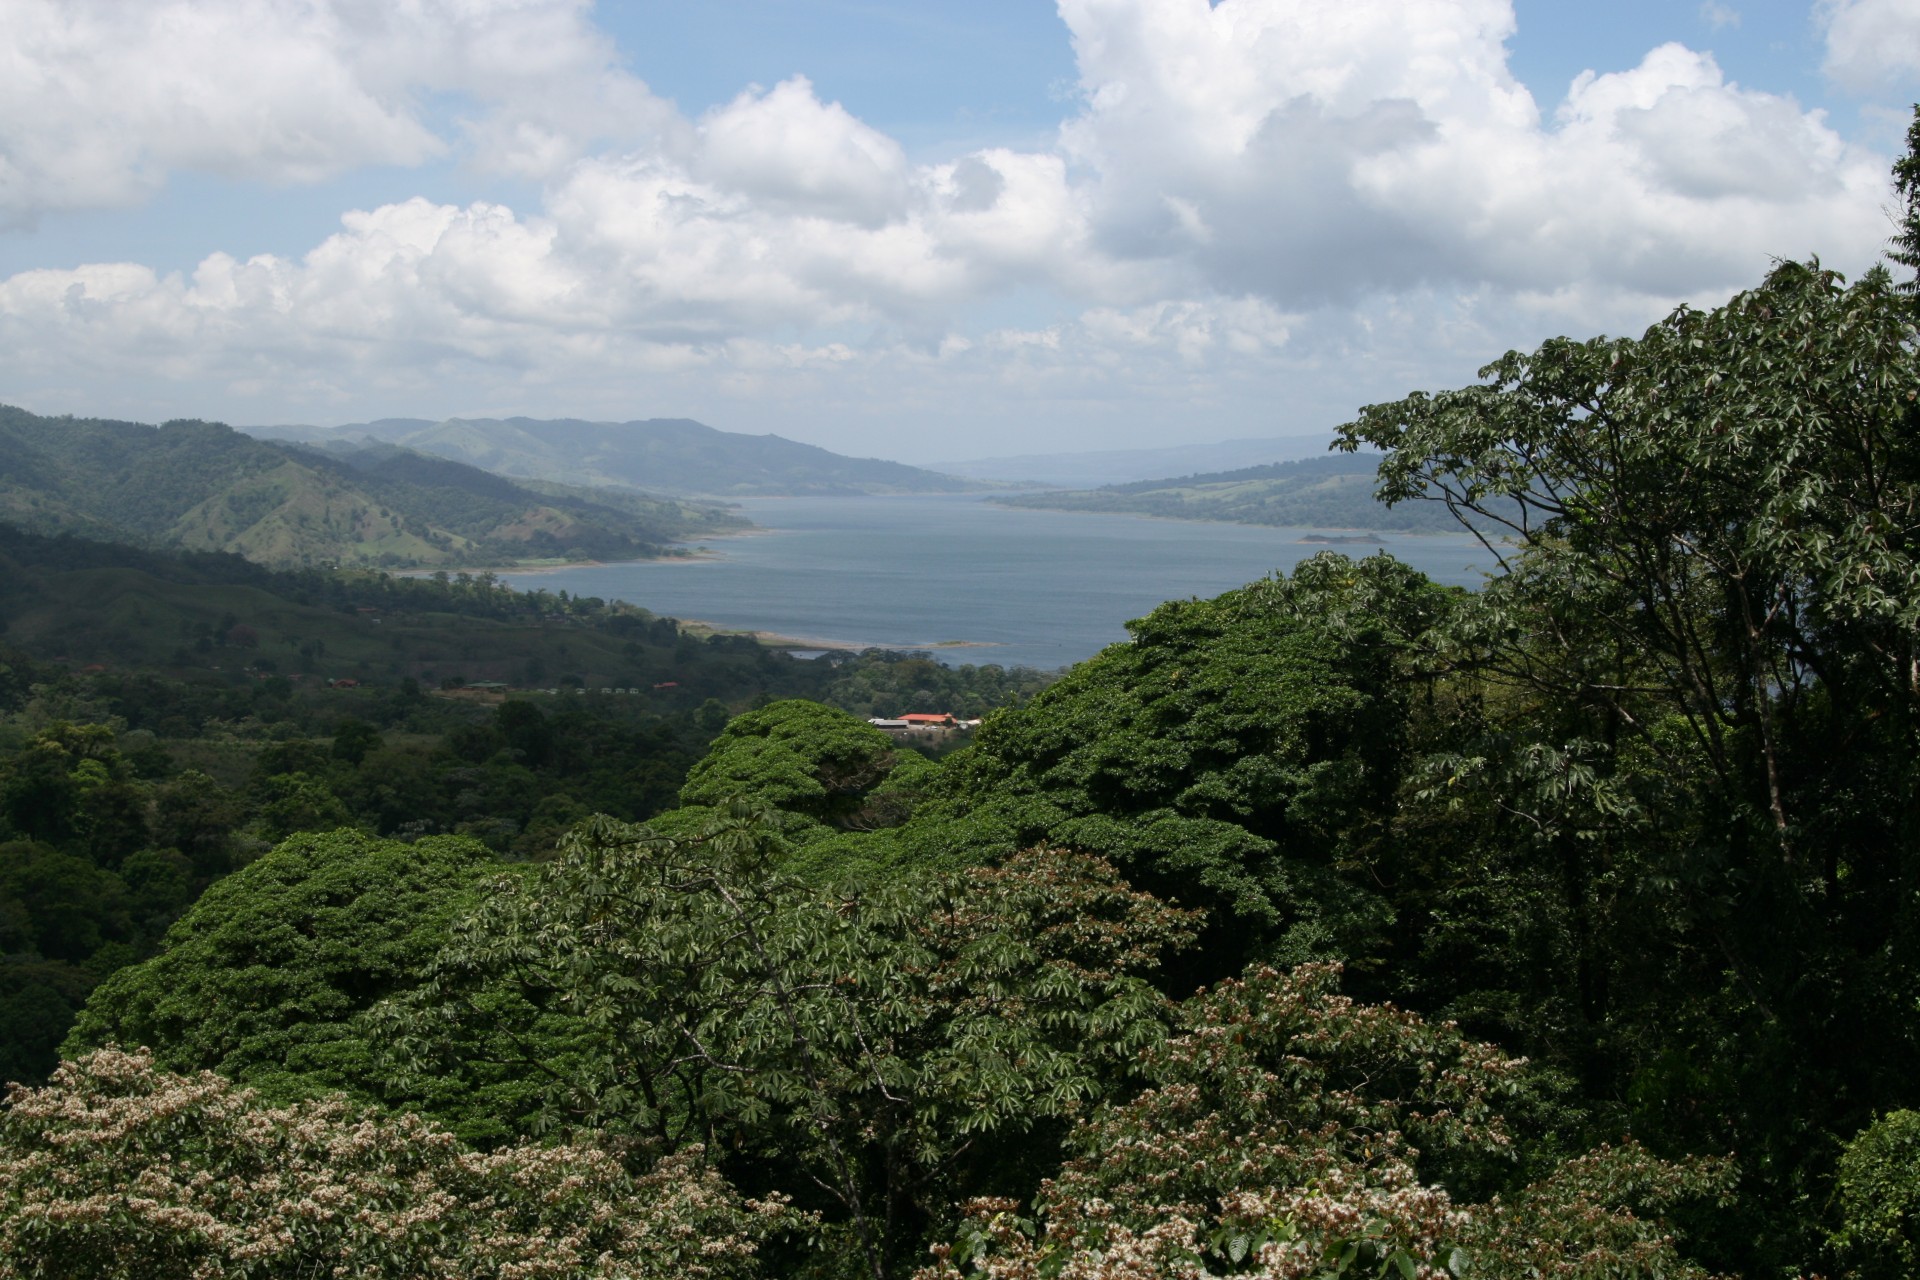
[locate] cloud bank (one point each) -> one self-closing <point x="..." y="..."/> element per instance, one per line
<point x="1259" y="207"/>
<point x="1872" y="45"/>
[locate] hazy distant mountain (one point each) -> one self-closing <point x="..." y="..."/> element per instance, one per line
<point x="661" y="455"/>
<point x="1331" y="492"/>
<point x="202" y="486"/>
<point x="1122" y="466"/>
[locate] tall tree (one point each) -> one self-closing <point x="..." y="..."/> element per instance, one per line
<point x="1906" y="184"/>
<point x="1704" y="673"/>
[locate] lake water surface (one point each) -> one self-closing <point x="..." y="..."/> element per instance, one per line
<point x="1023" y="588"/>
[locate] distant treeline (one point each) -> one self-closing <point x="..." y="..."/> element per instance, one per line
<point x="192" y="722"/>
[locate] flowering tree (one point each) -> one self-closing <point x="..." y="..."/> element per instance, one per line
<point x="117" y="1169"/>
<point x="1292" y="1133"/>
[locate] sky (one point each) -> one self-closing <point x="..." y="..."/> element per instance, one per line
<point x="928" y="231"/>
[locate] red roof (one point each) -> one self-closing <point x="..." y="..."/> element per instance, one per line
<point x="924" y="718"/>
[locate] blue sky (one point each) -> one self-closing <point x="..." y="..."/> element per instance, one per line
<point x="924" y="231"/>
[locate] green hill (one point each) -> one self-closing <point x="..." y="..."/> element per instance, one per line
<point x="1333" y="492"/>
<point x="663" y="455"/>
<point x="191" y="614"/>
<point x="202" y="486"/>
<point x="95" y="602"/>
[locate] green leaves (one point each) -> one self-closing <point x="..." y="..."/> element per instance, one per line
<point x="889" y="1045"/>
<point x="262" y="977"/>
<point x="1287" y="1131"/>
<point x="1685" y="777"/>
<point x="1234" y="757"/>
<point x="1906" y="181"/>
<point x="797" y="756"/>
<point x="1877" y="1198"/>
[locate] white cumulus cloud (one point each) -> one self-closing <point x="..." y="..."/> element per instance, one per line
<point x="1872" y="44"/>
<point x="1253" y="202"/>
<point x="101" y="99"/>
<point x="794" y="152"/>
<point x="1324" y="149"/>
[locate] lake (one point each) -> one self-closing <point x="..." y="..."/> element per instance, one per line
<point x="1014" y="587"/>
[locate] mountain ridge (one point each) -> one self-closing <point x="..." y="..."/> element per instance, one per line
<point x="1090" y="469"/>
<point x="663" y="455"/>
<point x="203" y="486"/>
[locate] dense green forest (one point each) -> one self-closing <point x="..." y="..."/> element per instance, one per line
<point x="202" y="486"/>
<point x="165" y="719"/>
<point x="1315" y="493"/>
<point x="1342" y="925"/>
<point x="663" y="455"/>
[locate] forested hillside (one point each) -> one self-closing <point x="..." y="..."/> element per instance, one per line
<point x="1314" y="493"/>
<point x="166" y="718"/>
<point x="202" y="486"/>
<point x="1343" y="925"/>
<point x="662" y="455"/>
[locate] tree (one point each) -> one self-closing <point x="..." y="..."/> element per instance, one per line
<point x="1695" y="753"/>
<point x="1288" y="1132"/>
<point x="353" y="740"/>
<point x="796" y="756"/>
<point x="43" y="790"/>
<point x="197" y="816"/>
<point x="1906" y="184"/>
<point x="1241" y="755"/>
<point x="291" y="803"/>
<point x="261" y="978"/>
<point x="1718" y="521"/>
<point x="37" y="1003"/>
<point x="56" y="905"/>
<point x="526" y="731"/>
<point x="1877" y="1193"/>
<point x="121" y="1171"/>
<point x="879" y="1048"/>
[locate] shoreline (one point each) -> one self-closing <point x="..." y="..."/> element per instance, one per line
<point x="680" y="553"/>
<point x="845" y="580"/>
<point x="780" y="640"/>
<point x="699" y="556"/>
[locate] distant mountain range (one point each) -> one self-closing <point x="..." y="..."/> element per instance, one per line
<point x="202" y="486"/>
<point x="661" y="455"/>
<point x="1122" y="466"/>
<point x="1331" y="492"/>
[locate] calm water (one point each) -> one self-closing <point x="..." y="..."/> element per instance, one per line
<point x="1030" y="588"/>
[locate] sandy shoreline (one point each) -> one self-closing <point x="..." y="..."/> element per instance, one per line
<point x="780" y="640"/>
<point x="700" y="556"/>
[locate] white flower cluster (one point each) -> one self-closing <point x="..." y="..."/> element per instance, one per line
<point x="119" y="1169"/>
